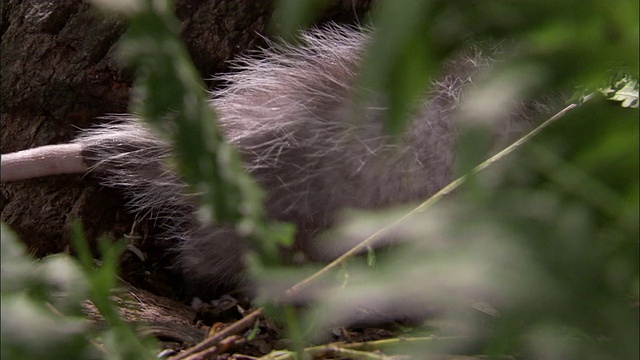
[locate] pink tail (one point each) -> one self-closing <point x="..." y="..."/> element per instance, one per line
<point x="42" y="161"/>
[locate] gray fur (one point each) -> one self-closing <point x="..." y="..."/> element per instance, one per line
<point x="290" y="116"/>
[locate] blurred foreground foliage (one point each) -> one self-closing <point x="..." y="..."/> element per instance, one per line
<point x="42" y="305"/>
<point x="536" y="256"/>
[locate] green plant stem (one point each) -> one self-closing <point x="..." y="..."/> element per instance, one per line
<point x="360" y="247"/>
<point x="361" y="350"/>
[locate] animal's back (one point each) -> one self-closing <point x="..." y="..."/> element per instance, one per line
<point x="294" y="119"/>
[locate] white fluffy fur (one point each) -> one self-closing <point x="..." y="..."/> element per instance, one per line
<point x="289" y="112"/>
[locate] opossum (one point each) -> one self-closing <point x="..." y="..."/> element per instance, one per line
<point x="290" y="114"/>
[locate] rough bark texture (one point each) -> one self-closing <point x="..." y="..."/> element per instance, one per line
<point x="60" y="73"/>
